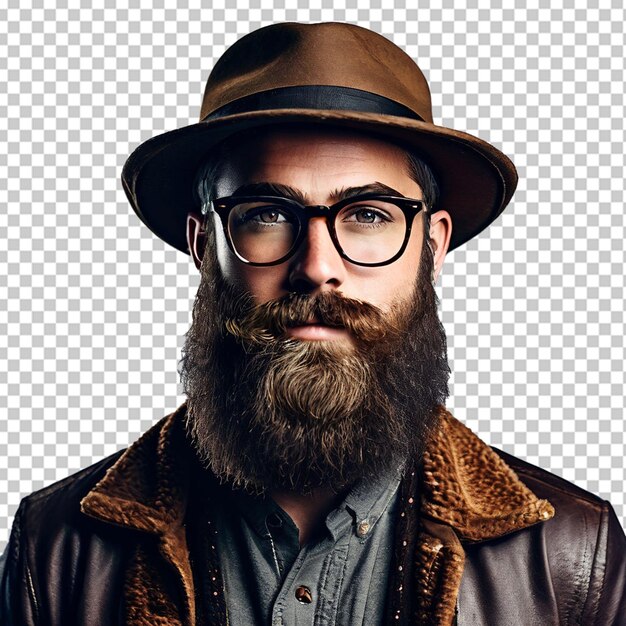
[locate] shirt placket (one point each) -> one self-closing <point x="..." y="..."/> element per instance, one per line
<point x="310" y="591"/>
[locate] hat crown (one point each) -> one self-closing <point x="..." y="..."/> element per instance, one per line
<point x="328" y="53"/>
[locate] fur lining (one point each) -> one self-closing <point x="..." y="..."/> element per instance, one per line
<point x="147" y="490"/>
<point x="439" y="567"/>
<point x="150" y="596"/>
<point x="470" y="488"/>
<point x="465" y="492"/>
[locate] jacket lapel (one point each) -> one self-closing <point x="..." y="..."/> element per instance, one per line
<point x="467" y="493"/>
<point x="147" y="490"/>
<point x="468" y="487"/>
<point x="463" y="492"/>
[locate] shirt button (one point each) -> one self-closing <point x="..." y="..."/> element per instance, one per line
<point x="303" y="595"/>
<point x="363" y="527"/>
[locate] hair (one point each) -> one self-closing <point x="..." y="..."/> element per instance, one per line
<point x="210" y="168"/>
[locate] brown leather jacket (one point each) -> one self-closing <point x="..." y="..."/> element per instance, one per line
<point x="481" y="538"/>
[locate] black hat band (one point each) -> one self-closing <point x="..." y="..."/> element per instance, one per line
<point x="322" y="97"/>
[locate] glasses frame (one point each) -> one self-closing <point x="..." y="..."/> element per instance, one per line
<point x="409" y="206"/>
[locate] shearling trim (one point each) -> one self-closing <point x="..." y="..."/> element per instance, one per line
<point x="146" y="487"/>
<point x="469" y="487"/>
<point x="148" y="592"/>
<point x="427" y="566"/>
<point x="174" y="548"/>
<point x="439" y="562"/>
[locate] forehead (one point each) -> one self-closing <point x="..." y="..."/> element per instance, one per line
<point x="314" y="160"/>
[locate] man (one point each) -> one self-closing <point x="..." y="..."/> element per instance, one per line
<point x="313" y="476"/>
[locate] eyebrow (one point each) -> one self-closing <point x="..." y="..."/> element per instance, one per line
<point x="286" y="191"/>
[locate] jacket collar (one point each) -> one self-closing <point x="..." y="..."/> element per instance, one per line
<point x="465" y="484"/>
<point x="146" y="489"/>
<point x="468" y="486"/>
<point x="467" y="493"/>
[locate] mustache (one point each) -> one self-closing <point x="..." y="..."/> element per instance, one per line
<point x="264" y="323"/>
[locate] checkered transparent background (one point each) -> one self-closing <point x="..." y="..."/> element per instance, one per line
<point x="93" y="308"/>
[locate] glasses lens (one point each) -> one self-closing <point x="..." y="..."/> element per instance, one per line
<point x="371" y="231"/>
<point x="262" y="232"/>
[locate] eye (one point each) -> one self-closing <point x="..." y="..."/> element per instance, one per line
<point x="269" y="216"/>
<point x="367" y="216"/>
<point x="262" y="215"/>
<point x="364" y="214"/>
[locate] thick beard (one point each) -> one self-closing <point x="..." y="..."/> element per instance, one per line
<point x="267" y="412"/>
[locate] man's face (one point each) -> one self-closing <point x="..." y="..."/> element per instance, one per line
<point x="313" y="372"/>
<point x="319" y="166"/>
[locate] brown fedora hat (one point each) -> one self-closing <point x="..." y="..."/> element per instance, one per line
<point x="331" y="74"/>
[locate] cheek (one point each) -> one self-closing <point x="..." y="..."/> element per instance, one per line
<point x="384" y="286"/>
<point x="397" y="280"/>
<point x="263" y="283"/>
<point x="226" y="260"/>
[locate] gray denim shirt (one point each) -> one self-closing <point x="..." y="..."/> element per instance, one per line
<point x="339" y="577"/>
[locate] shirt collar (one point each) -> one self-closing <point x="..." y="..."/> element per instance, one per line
<point x="260" y="511"/>
<point x="365" y="503"/>
<point x="361" y="508"/>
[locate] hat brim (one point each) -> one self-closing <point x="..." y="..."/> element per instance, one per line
<point x="476" y="180"/>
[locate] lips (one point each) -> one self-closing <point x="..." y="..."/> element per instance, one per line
<point x="316" y="330"/>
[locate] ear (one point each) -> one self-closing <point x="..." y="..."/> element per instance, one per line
<point x="196" y="238"/>
<point x="440" y="233"/>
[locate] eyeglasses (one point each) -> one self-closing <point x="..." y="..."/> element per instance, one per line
<point x="368" y="230"/>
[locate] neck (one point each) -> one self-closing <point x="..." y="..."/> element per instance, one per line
<point x="308" y="512"/>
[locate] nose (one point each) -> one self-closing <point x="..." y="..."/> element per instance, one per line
<point x="317" y="265"/>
